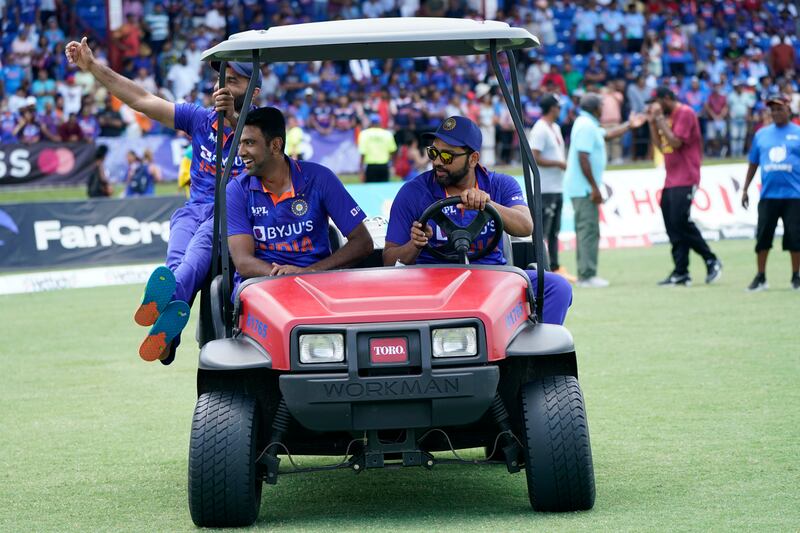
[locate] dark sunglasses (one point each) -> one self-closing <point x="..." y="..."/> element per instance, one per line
<point x="446" y="157"/>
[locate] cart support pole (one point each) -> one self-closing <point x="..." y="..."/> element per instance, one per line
<point x="218" y="175"/>
<point x="534" y="197"/>
<point x="221" y="207"/>
<point x="512" y="60"/>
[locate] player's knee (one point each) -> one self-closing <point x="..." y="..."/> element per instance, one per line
<point x="560" y="288"/>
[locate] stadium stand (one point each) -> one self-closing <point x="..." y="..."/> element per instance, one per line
<point x="698" y="48"/>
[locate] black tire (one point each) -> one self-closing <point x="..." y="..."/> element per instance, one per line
<point x="224" y="486"/>
<point x="558" y="456"/>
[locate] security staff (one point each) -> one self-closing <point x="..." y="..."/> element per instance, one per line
<point x="376" y="146"/>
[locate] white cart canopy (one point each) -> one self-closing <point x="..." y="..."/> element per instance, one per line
<point x="371" y="38"/>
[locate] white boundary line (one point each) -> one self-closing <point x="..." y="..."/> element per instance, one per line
<point x="75" y="279"/>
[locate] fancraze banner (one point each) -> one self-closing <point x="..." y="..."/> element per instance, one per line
<point x="98" y="232"/>
<point x="45" y="164"/>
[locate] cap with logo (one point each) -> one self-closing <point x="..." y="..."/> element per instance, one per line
<point x="459" y="131"/>
<point x="243" y="69"/>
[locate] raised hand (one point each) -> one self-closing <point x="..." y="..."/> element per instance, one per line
<point x="79" y="53"/>
<point x="223" y="101"/>
<point x="637" y="120"/>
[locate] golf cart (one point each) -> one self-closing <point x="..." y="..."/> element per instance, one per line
<point x="384" y="367"/>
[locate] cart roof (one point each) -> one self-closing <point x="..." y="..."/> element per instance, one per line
<point x="371" y="38"/>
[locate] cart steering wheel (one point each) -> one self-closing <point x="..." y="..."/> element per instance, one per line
<point x="459" y="238"/>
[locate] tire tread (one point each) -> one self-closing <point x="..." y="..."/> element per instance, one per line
<point x="558" y="454"/>
<point x="223" y="490"/>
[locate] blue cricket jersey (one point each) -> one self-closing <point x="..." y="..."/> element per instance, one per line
<point x="777" y="152"/>
<point x="292" y="229"/>
<point x="201" y="124"/>
<point x="417" y="194"/>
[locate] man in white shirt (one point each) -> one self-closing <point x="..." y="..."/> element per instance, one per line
<point x="612" y="21"/>
<point x="549" y="152"/>
<point x="72" y="94"/>
<point x="214" y="18"/>
<point x="24" y="47"/>
<point x="739" y="105"/>
<point x="372" y="9"/>
<point x="586" y="21"/>
<point x="183" y="77"/>
<point x="193" y="55"/>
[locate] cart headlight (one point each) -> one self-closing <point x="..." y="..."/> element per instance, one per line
<point x="322" y="348"/>
<point x="455" y="342"/>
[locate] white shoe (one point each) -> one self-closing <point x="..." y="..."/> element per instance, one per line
<point x="593" y="283"/>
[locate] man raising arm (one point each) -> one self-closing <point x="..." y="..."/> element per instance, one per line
<point x="170" y="290"/>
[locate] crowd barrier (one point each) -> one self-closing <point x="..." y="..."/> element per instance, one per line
<point x="45" y="164"/>
<point x="82" y="234"/>
<point x="122" y="231"/>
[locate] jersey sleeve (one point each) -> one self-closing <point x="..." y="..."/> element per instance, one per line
<point x="682" y="127"/>
<point x="186" y="116"/>
<point x="238" y="218"/>
<point x="754" y="156"/>
<point x="340" y="206"/>
<point x="405" y="210"/>
<point x="507" y="191"/>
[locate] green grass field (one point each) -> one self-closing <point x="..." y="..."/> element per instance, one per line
<point x="692" y="396"/>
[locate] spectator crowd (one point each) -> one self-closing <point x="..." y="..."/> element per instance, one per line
<point x="724" y="58"/>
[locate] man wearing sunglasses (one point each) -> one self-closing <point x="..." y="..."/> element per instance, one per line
<point x="455" y="155"/>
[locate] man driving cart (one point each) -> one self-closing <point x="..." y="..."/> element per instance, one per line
<point x="455" y="155"/>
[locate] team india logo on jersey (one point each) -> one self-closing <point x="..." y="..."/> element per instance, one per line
<point x="777" y="156"/>
<point x="777" y="153"/>
<point x="299" y="207"/>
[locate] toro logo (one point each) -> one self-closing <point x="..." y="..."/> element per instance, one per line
<point x="394" y="350"/>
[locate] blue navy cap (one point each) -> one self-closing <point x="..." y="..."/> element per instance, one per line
<point x="459" y="131"/>
<point x="243" y="69"/>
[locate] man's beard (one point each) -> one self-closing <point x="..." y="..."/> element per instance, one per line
<point x="238" y="103"/>
<point x="451" y="178"/>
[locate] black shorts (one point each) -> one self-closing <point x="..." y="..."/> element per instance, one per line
<point x="769" y="211"/>
<point x="376" y="173"/>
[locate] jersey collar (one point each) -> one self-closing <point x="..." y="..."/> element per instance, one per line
<point x="482" y="178"/>
<point x="589" y="116"/>
<point x="298" y="181"/>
